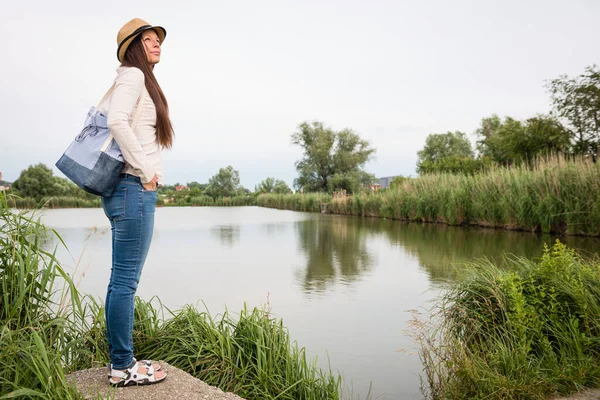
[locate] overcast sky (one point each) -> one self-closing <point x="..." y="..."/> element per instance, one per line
<point x="241" y="75"/>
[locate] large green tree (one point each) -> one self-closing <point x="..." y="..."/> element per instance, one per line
<point x="328" y="153"/>
<point x="544" y="134"/>
<point x="512" y="141"/>
<point x="272" y="185"/>
<point x="441" y="145"/>
<point x="500" y="140"/>
<point x="197" y="185"/>
<point x="225" y="183"/>
<point x="37" y="181"/>
<point x="351" y="182"/>
<point x="577" y="101"/>
<point x="455" y="165"/>
<point x="486" y="133"/>
<point x="443" y="149"/>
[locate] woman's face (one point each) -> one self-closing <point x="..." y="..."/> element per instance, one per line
<point x="151" y="45"/>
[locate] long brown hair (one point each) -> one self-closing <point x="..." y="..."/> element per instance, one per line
<point x="135" y="56"/>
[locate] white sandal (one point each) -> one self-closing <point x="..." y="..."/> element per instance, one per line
<point x="132" y="376"/>
<point x="148" y="363"/>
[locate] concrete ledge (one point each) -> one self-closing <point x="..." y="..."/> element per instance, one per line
<point x="592" y="394"/>
<point x="93" y="384"/>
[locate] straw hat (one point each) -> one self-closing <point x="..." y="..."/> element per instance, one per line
<point x="130" y="30"/>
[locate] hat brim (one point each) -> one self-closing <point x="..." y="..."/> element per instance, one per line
<point x="124" y="45"/>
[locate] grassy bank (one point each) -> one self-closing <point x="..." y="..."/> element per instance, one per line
<point x="554" y="196"/>
<point x="308" y="202"/>
<point x="529" y="331"/>
<point x="48" y="329"/>
<point x="206" y="201"/>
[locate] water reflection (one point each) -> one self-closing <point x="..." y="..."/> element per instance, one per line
<point x="229" y="235"/>
<point x="335" y="249"/>
<point x="275" y="229"/>
<point x="442" y="249"/>
<point x="343" y="248"/>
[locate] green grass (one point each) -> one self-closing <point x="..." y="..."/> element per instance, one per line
<point x="48" y="329"/>
<point x="310" y="202"/>
<point x="555" y="196"/>
<point x="207" y="201"/>
<point x="250" y="354"/>
<point x="37" y="334"/>
<point x="528" y="331"/>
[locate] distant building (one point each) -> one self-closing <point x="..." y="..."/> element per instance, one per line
<point x="385" y="182"/>
<point x="3" y="184"/>
<point x="375" y="186"/>
<point x="181" y="187"/>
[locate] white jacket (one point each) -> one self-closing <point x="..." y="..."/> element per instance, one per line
<point x="140" y="147"/>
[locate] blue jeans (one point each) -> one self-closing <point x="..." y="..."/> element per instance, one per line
<point x="130" y="210"/>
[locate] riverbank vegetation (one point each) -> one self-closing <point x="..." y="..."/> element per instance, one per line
<point x="38" y="187"/>
<point x="530" y="330"/>
<point x="48" y="329"/>
<point x="553" y="195"/>
<point x="556" y="195"/>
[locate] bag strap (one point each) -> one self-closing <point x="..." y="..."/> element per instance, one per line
<point x="105" y="97"/>
<point x="136" y="117"/>
<point x="138" y="109"/>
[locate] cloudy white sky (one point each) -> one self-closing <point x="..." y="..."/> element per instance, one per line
<point x="240" y="75"/>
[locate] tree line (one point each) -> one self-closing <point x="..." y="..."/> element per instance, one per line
<point x="38" y="182"/>
<point x="335" y="160"/>
<point x="332" y="160"/>
<point x="225" y="183"/>
<point x="572" y="128"/>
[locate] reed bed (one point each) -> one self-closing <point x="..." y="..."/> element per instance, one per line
<point x="529" y="331"/>
<point x="308" y="202"/>
<point x="36" y="333"/>
<point x="554" y="196"/>
<point x="250" y="354"/>
<point x="207" y="201"/>
<point x="48" y="329"/>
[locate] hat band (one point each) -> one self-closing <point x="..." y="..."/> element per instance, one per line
<point x="136" y="32"/>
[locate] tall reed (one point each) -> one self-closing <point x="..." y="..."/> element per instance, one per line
<point x="250" y="354"/>
<point x="207" y="201"/>
<point x="554" y="196"/>
<point x="35" y="332"/>
<point x="528" y="331"/>
<point x="310" y="202"/>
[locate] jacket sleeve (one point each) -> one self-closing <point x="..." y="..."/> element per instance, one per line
<point x="128" y="89"/>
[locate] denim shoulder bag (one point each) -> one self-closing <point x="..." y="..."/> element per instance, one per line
<point x="94" y="161"/>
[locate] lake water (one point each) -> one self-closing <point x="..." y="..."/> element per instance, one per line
<point x="343" y="285"/>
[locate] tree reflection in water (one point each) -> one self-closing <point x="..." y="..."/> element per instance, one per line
<point x="335" y="249"/>
<point x="229" y="235"/>
<point x="339" y="248"/>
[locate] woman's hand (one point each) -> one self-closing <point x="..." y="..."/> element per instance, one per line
<point x="152" y="184"/>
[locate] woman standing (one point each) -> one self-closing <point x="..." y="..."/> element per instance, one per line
<point x="130" y="209"/>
